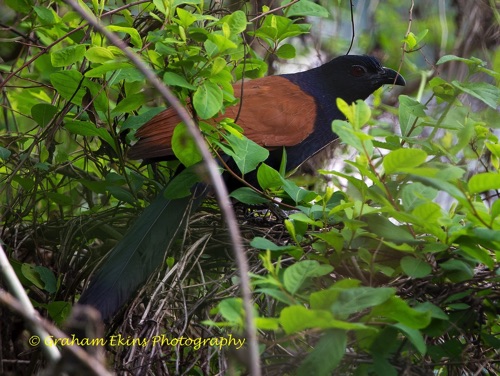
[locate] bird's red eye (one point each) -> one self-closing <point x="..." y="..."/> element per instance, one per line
<point x="358" y="70"/>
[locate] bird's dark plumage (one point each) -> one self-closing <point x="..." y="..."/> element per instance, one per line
<point x="294" y="111"/>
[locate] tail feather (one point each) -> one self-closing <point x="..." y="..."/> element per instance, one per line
<point x="140" y="252"/>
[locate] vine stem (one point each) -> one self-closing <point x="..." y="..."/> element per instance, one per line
<point x="213" y="172"/>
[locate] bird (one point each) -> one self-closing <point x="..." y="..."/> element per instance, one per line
<point x="291" y="111"/>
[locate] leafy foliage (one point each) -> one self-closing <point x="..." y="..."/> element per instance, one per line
<point x="394" y="263"/>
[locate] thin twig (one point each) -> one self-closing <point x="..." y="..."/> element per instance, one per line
<point x="79" y="354"/>
<point x="410" y="20"/>
<point x="353" y="29"/>
<point x="25" y="306"/>
<point x="213" y="171"/>
<point x="273" y="10"/>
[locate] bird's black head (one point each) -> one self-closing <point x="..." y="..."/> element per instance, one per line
<point x="350" y="77"/>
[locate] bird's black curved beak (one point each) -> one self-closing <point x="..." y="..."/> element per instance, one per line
<point x="390" y="76"/>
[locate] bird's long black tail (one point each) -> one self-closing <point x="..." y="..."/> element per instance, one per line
<point x="140" y="252"/>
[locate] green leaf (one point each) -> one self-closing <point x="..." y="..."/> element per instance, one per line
<point x="415" y="338"/>
<point x="253" y="68"/>
<point x="59" y="311"/>
<point x="105" y="68"/>
<point x="439" y="184"/>
<point x="99" y="54"/>
<point x="333" y="238"/>
<point x="218" y="65"/>
<point x="94" y="186"/>
<point x="483" y="91"/>
<point x="186" y="18"/>
<point x="358" y="113"/>
<point x="181" y="185"/>
<point x="381" y="366"/>
<point x="428" y="213"/>
<point x="414" y="267"/>
<point x="416" y="193"/>
<point x="59" y="198"/>
<point x="296" y="193"/>
<point x="134" y="122"/>
<point x="457" y="270"/>
<point x="174" y="79"/>
<point x="232" y="310"/>
<point x="67" y="55"/>
<point x="5" y="153"/>
<point x="323" y="299"/>
<point x="184" y="147"/>
<point x="344" y="130"/>
<point x="248" y="196"/>
<point x="68" y="84"/>
<point x="357" y="299"/>
<point x="87" y="129"/>
<point x="475" y="246"/>
<point x="434" y="311"/>
<point x="448" y="58"/>
<point x="121" y="194"/>
<point x="237" y="22"/>
<point x="129" y="104"/>
<point x="26" y="182"/>
<point x="484" y="182"/>
<point x="135" y="38"/>
<point x="263" y="243"/>
<point x="46" y="15"/>
<point x="268" y="177"/>
<point x="207" y="100"/>
<point x="246" y="154"/>
<point x="398" y="160"/>
<point x="297" y="274"/>
<point x="48" y="278"/>
<point x="410" y="40"/>
<point x="409" y="110"/>
<point x="326" y="355"/>
<point x="218" y="43"/>
<point x="43" y="113"/>
<point x="286" y="51"/>
<point x="267" y="323"/>
<point x="296" y="318"/>
<point x="305" y="8"/>
<point x="22" y="6"/>
<point x="32" y="275"/>
<point x="384" y="228"/>
<point x="161" y="6"/>
<point x="279" y="295"/>
<point x="301" y="217"/>
<point x="397" y="309"/>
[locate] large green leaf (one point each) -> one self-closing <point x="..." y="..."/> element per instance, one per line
<point x="268" y="177"/>
<point x="484" y="182"/>
<point x="299" y="273"/>
<point x="397" y="309"/>
<point x="296" y="318"/>
<point x="184" y="147"/>
<point x="248" y="196"/>
<point x="326" y="355"/>
<point x="43" y="113"/>
<point x="306" y="8"/>
<point x="357" y="299"/>
<point x="415" y="267"/>
<point x="67" y="55"/>
<point x="207" y="100"/>
<point x="400" y="159"/>
<point x="87" y="129"/>
<point x="483" y="91"/>
<point x="246" y="154"/>
<point x="68" y="84"/>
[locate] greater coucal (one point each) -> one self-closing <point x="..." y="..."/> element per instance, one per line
<point x="294" y="111"/>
